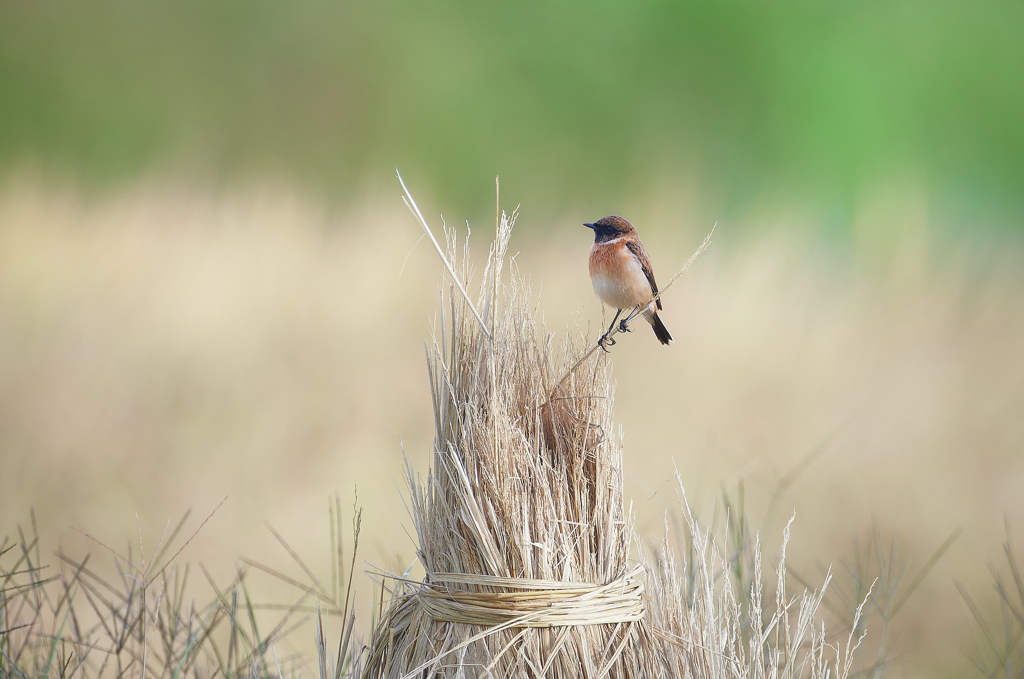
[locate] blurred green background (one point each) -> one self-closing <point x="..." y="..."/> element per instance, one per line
<point x="571" y="102"/>
<point x="197" y="199"/>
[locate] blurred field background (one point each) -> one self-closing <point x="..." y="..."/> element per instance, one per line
<point x="209" y="285"/>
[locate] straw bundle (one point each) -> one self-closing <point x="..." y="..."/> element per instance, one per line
<point x="521" y="525"/>
<point x="523" y="533"/>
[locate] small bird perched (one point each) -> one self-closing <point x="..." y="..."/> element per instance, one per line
<point x="622" y="274"/>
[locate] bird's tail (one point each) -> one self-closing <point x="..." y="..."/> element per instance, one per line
<point x="659" y="329"/>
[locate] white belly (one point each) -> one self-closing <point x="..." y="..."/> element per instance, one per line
<point x="623" y="294"/>
<point x="609" y="292"/>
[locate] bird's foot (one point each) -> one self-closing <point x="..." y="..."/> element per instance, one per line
<point x="623" y="327"/>
<point x="606" y="342"/>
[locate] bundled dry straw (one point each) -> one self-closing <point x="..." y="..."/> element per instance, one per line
<point x="523" y="532"/>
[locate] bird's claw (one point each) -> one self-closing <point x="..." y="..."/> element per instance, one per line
<point x="606" y="342"/>
<point x="623" y="327"/>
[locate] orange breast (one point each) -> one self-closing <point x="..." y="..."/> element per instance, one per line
<point x="618" y="278"/>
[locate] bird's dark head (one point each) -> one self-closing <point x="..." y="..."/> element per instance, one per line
<point x="610" y="228"/>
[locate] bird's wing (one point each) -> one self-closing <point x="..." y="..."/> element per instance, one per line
<point x="645" y="263"/>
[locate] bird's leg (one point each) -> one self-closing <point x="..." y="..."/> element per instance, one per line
<point x="617" y="314"/>
<point x="605" y="340"/>
<point x="625" y="328"/>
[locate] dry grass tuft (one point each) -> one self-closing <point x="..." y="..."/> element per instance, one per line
<point x="999" y="651"/>
<point x="75" y="622"/>
<point x="525" y="538"/>
<point x="143" y="623"/>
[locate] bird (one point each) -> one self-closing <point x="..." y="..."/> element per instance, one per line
<point x="623" y="278"/>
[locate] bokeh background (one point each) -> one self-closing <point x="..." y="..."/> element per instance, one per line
<point x="209" y="286"/>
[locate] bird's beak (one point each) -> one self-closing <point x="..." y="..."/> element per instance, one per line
<point x="588" y="225"/>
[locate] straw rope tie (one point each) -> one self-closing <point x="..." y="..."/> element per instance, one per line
<point x="523" y="602"/>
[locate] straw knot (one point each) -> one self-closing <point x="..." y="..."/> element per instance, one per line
<point x="522" y="602"/>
